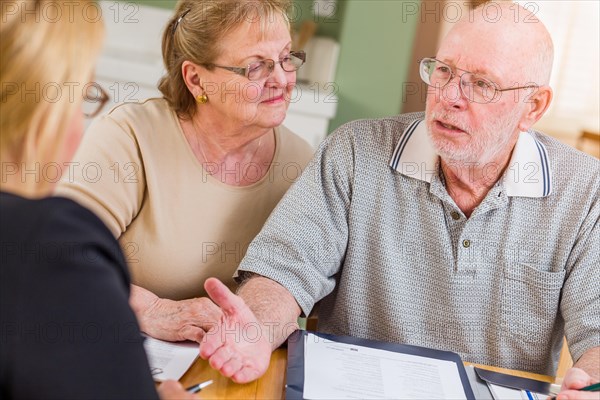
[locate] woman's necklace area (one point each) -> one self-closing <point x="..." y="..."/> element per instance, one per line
<point x="242" y="174"/>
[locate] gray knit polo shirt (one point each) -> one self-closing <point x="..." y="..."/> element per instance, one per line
<point x="370" y="229"/>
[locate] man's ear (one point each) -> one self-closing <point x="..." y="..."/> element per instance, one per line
<point x="536" y="105"/>
<point x="191" y="77"/>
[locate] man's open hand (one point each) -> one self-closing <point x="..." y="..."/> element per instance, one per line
<point x="238" y="347"/>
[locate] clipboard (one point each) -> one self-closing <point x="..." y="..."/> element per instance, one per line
<point x="509" y="381"/>
<point x="294" y="389"/>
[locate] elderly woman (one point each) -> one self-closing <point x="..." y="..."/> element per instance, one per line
<point x="186" y="181"/>
<point x="58" y="259"/>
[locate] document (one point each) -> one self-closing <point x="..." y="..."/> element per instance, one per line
<point x="169" y="360"/>
<point x="334" y="370"/>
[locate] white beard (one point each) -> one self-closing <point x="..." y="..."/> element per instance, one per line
<point x="484" y="145"/>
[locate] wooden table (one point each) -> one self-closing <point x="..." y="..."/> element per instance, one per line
<point x="272" y="384"/>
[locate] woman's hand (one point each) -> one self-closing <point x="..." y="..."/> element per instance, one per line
<point x="180" y="320"/>
<point x="173" y="320"/>
<point x="575" y="379"/>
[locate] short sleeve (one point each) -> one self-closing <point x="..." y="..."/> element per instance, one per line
<point x="580" y="304"/>
<point x="302" y="244"/>
<point x="107" y="174"/>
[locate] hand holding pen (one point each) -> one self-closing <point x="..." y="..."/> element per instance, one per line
<point x="577" y="385"/>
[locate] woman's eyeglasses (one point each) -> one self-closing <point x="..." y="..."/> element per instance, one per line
<point x="263" y="69"/>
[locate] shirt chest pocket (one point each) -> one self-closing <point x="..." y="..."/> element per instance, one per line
<point x="530" y="302"/>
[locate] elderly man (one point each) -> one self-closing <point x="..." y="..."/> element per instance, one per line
<point x="464" y="231"/>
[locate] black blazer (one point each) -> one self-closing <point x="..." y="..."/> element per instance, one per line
<point x="67" y="330"/>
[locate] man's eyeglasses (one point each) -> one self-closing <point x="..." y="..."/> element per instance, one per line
<point x="262" y="69"/>
<point x="94" y="99"/>
<point x="474" y="87"/>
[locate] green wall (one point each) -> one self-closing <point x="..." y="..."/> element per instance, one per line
<point x="328" y="24"/>
<point x="376" y="49"/>
<point x="158" y="3"/>
<point x="375" y="39"/>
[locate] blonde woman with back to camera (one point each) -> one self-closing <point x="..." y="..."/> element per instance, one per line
<point x="67" y="329"/>
<point x="189" y="179"/>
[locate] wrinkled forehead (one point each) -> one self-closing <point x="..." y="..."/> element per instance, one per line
<point x="494" y="50"/>
<point x="254" y="37"/>
<point x="263" y="26"/>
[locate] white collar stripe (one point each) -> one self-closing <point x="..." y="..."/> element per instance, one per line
<point x="402" y="143"/>
<point x="545" y="170"/>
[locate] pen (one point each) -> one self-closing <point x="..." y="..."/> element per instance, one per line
<point x="591" y="388"/>
<point x="198" y="387"/>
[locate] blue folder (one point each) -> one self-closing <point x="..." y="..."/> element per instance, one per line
<point x="295" y="366"/>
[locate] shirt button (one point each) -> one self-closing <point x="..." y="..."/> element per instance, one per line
<point x="455" y="216"/>
<point x="466" y="243"/>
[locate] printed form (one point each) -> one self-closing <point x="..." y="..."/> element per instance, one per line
<point x="335" y="370"/>
<point x="169" y="360"/>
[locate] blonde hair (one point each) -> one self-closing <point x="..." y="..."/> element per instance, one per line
<point x="49" y="49"/>
<point x="194" y="33"/>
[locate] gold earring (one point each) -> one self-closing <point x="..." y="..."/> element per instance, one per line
<point x="202" y="98"/>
